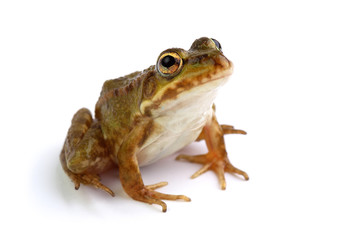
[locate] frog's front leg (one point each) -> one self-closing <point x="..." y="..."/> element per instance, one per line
<point x="129" y="171"/>
<point x="216" y="159"/>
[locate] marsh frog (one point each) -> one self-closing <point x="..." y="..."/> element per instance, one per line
<point x="150" y="114"/>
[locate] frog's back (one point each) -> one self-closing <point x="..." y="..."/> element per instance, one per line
<point x="119" y="83"/>
<point x="119" y="102"/>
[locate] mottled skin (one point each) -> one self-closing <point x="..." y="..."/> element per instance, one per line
<point x="147" y="115"/>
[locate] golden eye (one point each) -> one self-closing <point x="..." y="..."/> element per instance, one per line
<point x="169" y="63"/>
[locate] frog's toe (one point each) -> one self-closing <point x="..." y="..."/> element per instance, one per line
<point x="231" y="169"/>
<point x="150" y="191"/>
<point x="229" y="129"/>
<point x="148" y="195"/>
<point x="156" y="185"/>
<point x="90" y="179"/>
<point x="77" y="185"/>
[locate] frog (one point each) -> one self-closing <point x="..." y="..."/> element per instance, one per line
<point x="148" y="115"/>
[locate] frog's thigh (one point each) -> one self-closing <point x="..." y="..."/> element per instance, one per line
<point x="85" y="148"/>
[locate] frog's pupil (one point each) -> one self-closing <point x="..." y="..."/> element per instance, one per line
<point x="168" y="61"/>
<point x="218" y="45"/>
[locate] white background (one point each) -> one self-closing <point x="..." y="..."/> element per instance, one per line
<point x="295" y="90"/>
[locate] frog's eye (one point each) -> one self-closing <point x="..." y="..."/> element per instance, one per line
<point x="217" y="44"/>
<point x="169" y="63"/>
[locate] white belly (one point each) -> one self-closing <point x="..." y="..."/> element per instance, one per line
<point x="178" y="124"/>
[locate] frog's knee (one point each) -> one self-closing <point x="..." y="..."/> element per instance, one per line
<point x="77" y="162"/>
<point x="91" y="154"/>
<point x="80" y="163"/>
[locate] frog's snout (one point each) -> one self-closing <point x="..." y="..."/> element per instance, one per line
<point x="223" y="63"/>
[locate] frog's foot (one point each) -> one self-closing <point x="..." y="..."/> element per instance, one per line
<point x="89" y="179"/>
<point x="218" y="164"/>
<point x="148" y="195"/>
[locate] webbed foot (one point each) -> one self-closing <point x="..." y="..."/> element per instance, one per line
<point x="218" y="164"/>
<point x="148" y="195"/>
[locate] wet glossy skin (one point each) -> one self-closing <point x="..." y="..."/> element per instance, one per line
<point x="148" y="115"/>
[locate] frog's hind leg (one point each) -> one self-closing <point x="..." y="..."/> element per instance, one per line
<point x="84" y="154"/>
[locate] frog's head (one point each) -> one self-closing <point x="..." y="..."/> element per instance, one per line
<point x="181" y="77"/>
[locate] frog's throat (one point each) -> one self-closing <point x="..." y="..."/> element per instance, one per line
<point x="197" y="84"/>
